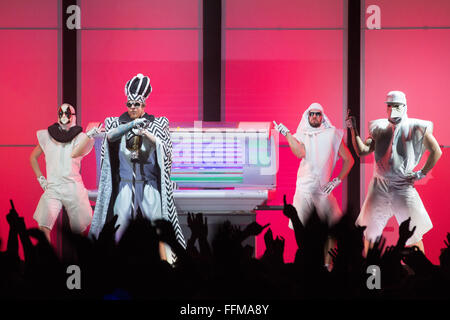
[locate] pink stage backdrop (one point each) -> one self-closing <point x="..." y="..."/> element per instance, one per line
<point x="28" y="99"/>
<point x="283" y="14"/>
<point x="29" y="14"/>
<point x="141" y="14"/>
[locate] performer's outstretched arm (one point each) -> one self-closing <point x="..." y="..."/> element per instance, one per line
<point x="297" y="147"/>
<point x="361" y="148"/>
<point x="83" y="147"/>
<point x="86" y="141"/>
<point x="116" y="133"/>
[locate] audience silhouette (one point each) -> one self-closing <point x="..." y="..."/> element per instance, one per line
<point x="222" y="269"/>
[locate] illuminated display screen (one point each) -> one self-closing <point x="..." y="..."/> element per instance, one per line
<point x="223" y="157"/>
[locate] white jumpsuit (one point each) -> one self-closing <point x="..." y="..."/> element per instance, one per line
<point x="321" y="153"/>
<point x="65" y="185"/>
<point x="398" y="150"/>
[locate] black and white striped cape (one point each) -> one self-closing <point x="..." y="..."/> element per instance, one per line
<point x="160" y="129"/>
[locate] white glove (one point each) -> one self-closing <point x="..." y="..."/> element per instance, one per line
<point x="138" y="122"/>
<point x="331" y="185"/>
<point x="94" y="131"/>
<point x="43" y="182"/>
<point x="417" y="175"/>
<point x="281" y="128"/>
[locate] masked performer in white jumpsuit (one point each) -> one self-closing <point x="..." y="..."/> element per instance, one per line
<point x="136" y="166"/>
<point x="398" y="143"/>
<point x="64" y="145"/>
<point x="318" y="143"/>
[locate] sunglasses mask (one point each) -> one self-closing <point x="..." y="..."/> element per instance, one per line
<point x="135" y="104"/>
<point x="65" y="114"/>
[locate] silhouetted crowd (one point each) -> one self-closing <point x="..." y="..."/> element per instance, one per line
<point x="223" y="269"/>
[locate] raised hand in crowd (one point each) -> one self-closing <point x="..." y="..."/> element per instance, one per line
<point x="190" y="245"/>
<point x="17" y="224"/>
<point x="253" y="229"/>
<point x="375" y="251"/>
<point x="291" y="213"/>
<point x="198" y="225"/>
<point x="13" y="240"/>
<point x="199" y="230"/>
<point x="268" y="239"/>
<point x="405" y="233"/>
<point x="274" y="247"/>
<point x="278" y="248"/>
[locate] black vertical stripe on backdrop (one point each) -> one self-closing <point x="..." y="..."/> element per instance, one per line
<point x="212" y="60"/>
<point x="69" y="59"/>
<point x="353" y="97"/>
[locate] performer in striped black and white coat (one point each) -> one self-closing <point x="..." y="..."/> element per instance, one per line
<point x="136" y="166"/>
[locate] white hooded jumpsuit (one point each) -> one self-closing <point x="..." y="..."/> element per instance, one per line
<point x="321" y="148"/>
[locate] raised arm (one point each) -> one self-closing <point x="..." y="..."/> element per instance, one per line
<point x="83" y="147"/>
<point x="297" y="148"/>
<point x="87" y="140"/>
<point x="362" y="148"/>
